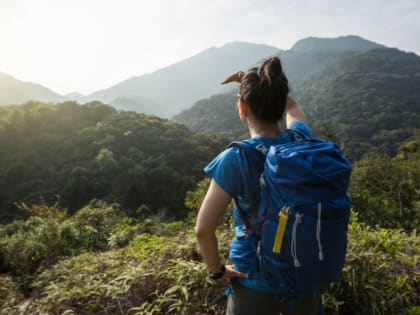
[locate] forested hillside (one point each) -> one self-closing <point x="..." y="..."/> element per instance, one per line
<point x="94" y="151"/>
<point x="99" y="261"/>
<point x="368" y="99"/>
<point x="216" y="114"/>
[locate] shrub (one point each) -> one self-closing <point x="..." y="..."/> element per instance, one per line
<point x="385" y="191"/>
<point x="381" y="274"/>
<point x="9" y="295"/>
<point x="23" y="251"/>
<point x="155" y="268"/>
<point x="165" y="274"/>
<point x="95" y="223"/>
<point x="45" y="236"/>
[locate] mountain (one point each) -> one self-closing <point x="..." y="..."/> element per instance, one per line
<point x="76" y="97"/>
<point x="308" y="53"/>
<point x="368" y="98"/>
<point x="140" y="104"/>
<point x="179" y="85"/>
<point x="14" y="91"/>
<point x="164" y="92"/>
<point x="338" y="44"/>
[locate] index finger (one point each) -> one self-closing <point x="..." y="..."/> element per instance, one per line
<point x="235" y="77"/>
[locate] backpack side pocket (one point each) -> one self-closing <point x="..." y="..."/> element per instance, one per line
<point x="278" y="266"/>
<point x="320" y="249"/>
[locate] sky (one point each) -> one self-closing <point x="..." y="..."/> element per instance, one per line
<point x="88" y="45"/>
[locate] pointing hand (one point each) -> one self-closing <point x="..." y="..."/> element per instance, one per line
<point x="235" y="77"/>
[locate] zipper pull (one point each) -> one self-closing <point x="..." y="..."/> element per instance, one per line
<point x="281" y="228"/>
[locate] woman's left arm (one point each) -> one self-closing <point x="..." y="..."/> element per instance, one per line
<point x="211" y="211"/>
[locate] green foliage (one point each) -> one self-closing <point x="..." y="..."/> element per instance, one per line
<point x="93" y="151"/>
<point x="216" y="114"/>
<point x="385" y="191"/>
<point x="95" y="223"/>
<point x="122" y="233"/>
<point x="381" y="274"/>
<point x="164" y="274"/>
<point x="24" y="245"/>
<point x="45" y="212"/>
<point x="153" y="274"/>
<point x="44" y="238"/>
<point x="10" y="295"/>
<point x="368" y="98"/>
<point x="194" y="198"/>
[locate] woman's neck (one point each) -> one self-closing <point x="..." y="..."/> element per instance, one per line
<point x="266" y="130"/>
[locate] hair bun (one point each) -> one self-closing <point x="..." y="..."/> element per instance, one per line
<point x="265" y="90"/>
<point x="270" y="69"/>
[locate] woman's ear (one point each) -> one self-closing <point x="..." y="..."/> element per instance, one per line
<point x="243" y="108"/>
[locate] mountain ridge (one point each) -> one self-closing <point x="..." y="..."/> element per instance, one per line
<point x="15" y="91"/>
<point x="368" y="99"/>
<point x="199" y="74"/>
<point x="176" y="87"/>
<point x="337" y="44"/>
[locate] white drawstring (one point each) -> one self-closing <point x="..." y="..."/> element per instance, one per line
<point x="298" y="219"/>
<point x="318" y="233"/>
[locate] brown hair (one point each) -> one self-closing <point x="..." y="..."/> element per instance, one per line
<point x="265" y="89"/>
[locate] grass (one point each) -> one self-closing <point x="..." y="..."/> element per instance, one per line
<point x="158" y="270"/>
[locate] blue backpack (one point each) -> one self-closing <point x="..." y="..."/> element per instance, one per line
<point x="303" y="213"/>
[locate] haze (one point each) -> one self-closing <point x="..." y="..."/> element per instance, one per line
<point x="85" y="46"/>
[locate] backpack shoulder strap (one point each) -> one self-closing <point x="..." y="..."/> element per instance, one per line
<point x="257" y="158"/>
<point x="296" y="135"/>
<point x="252" y="153"/>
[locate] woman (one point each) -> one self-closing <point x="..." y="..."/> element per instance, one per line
<point x="262" y="101"/>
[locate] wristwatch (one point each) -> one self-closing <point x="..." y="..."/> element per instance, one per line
<point x="219" y="274"/>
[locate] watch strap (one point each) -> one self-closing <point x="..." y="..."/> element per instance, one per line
<point x="219" y="274"/>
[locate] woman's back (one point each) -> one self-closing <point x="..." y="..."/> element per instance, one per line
<point x="262" y="102"/>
